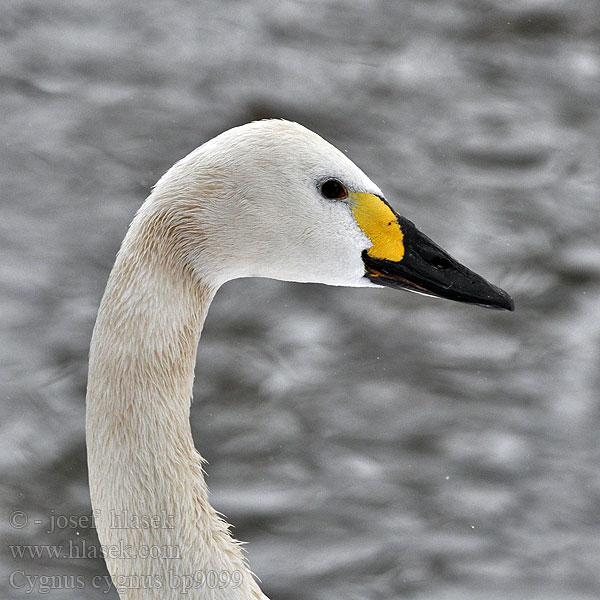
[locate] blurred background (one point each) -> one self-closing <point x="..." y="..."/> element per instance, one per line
<point x="367" y="444"/>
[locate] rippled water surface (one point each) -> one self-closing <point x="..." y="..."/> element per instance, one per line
<point x="367" y="444"/>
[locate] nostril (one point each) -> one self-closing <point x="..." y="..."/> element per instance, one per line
<point x="440" y="262"/>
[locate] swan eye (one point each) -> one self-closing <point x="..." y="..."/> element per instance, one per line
<point x="332" y="189"/>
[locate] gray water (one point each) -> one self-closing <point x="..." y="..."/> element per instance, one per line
<point x="367" y="444"/>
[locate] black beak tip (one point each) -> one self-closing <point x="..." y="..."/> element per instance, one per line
<point x="510" y="304"/>
<point x="501" y="300"/>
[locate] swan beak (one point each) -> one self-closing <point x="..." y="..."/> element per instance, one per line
<point x="403" y="257"/>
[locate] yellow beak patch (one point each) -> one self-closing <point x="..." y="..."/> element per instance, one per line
<point x="378" y="222"/>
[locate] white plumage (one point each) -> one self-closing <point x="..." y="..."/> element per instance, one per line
<point x="247" y="203"/>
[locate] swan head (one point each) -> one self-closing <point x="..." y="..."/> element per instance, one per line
<point x="273" y="199"/>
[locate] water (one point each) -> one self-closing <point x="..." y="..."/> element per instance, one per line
<point x="366" y="444"/>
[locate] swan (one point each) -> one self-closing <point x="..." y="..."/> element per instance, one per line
<point x="266" y="199"/>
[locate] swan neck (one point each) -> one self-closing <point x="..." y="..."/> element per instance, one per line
<point x="149" y="323"/>
<point x="141" y="456"/>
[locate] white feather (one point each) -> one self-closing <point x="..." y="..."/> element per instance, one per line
<point x="246" y="203"/>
